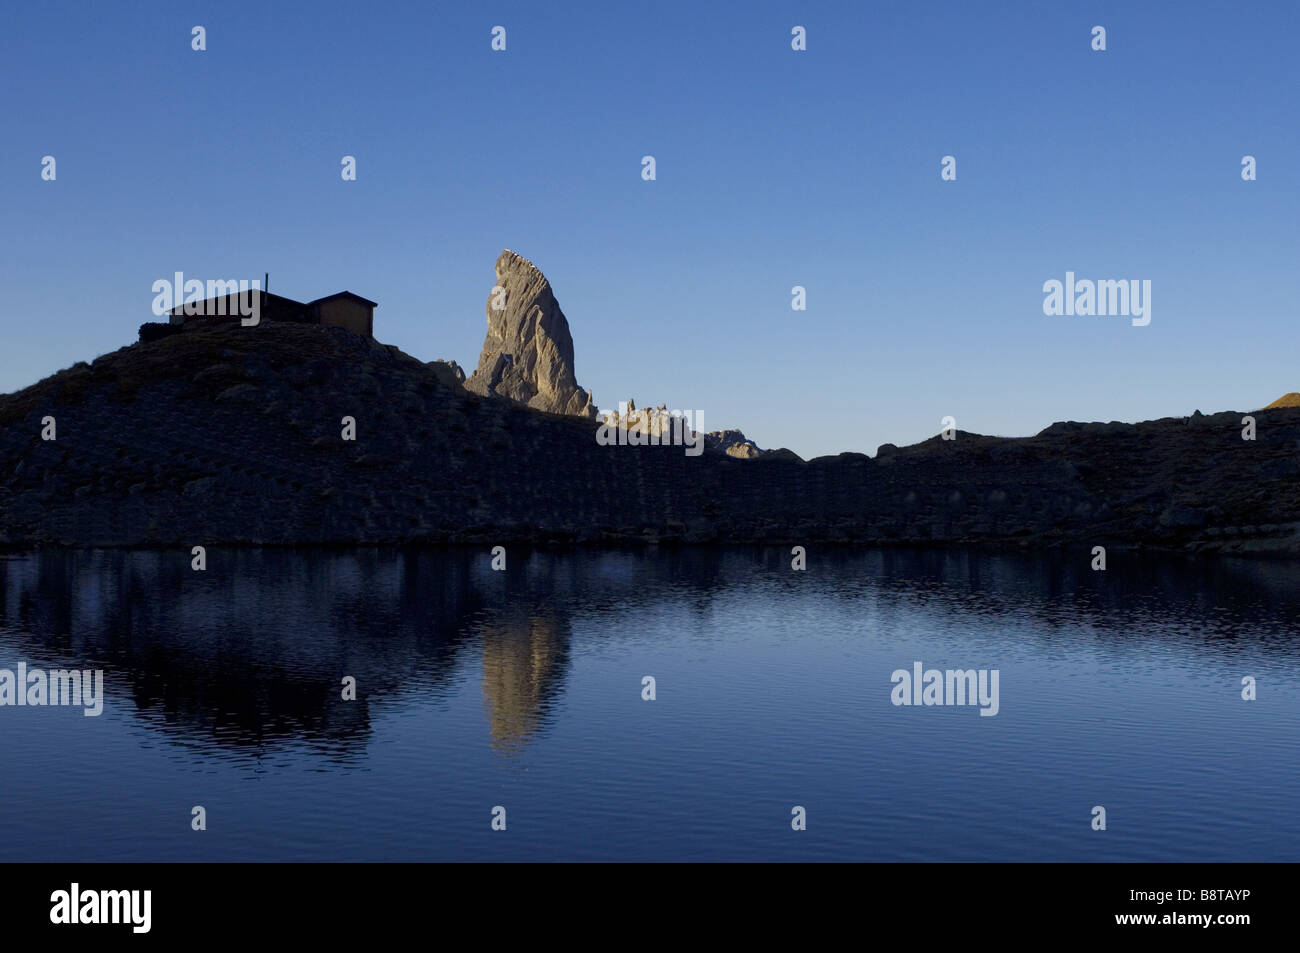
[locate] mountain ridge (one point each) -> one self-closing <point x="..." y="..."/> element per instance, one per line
<point x="234" y="436"/>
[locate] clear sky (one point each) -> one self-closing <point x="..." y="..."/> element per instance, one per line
<point x="775" y="168"/>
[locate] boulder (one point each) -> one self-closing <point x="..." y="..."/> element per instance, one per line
<point x="449" y="373"/>
<point x="733" y="443"/>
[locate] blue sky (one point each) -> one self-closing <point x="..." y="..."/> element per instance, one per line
<point x="775" y="168"/>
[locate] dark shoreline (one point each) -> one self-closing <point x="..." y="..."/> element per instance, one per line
<point x="524" y="546"/>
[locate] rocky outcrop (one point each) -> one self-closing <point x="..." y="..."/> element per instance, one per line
<point x="661" y="422"/>
<point x="449" y="372"/>
<point x="527" y="355"/>
<point x="652" y="421"/>
<point x="733" y="443"/>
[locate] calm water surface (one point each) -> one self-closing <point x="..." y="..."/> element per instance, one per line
<point x="523" y="689"/>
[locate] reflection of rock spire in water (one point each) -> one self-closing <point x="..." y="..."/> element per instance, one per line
<point x="522" y="669"/>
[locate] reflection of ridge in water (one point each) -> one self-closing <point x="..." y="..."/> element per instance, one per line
<point x="523" y="669"/>
<point x="250" y="654"/>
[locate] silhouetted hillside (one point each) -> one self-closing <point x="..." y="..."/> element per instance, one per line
<point x="233" y="435"/>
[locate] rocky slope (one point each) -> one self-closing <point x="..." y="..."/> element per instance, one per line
<point x="235" y="435"/>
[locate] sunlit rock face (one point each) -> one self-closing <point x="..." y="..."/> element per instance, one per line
<point x="528" y="352"/>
